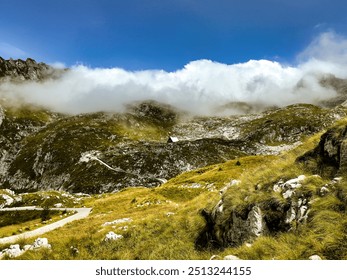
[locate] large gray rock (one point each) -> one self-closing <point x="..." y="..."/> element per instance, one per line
<point x="329" y="158"/>
<point x="41" y="243"/>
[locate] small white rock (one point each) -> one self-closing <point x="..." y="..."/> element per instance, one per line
<point x="315" y="258"/>
<point x="231" y="258"/>
<point x="111" y="236"/>
<point x="119" y="221"/>
<point x="323" y="191"/>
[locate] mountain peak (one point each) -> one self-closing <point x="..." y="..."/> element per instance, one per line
<point x="25" y="70"/>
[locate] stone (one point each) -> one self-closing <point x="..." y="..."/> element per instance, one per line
<point x="324" y="191"/>
<point x="215" y="257"/>
<point x="302" y="213"/>
<point x="41" y="243"/>
<point x="295" y="183"/>
<point x="227" y="186"/>
<point x="12" y="252"/>
<point x="289" y="186"/>
<point x="8" y="200"/>
<point x="277" y="188"/>
<point x="288" y="194"/>
<point x="111" y="236"/>
<point x="291" y="215"/>
<point x="231" y="258"/>
<point x="118" y="221"/>
<point x="315" y="258"/>
<point x="256" y="222"/>
<point x="337" y="179"/>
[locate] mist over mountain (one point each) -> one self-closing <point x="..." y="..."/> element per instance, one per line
<point x="199" y="87"/>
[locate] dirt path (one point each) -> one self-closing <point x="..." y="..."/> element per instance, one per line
<point x="81" y="213"/>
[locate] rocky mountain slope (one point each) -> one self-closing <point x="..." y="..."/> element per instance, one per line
<point x="251" y="185"/>
<point x="43" y="150"/>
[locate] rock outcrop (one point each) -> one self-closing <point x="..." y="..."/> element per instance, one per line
<point x="29" y="69"/>
<point x="234" y="226"/>
<point x="329" y="158"/>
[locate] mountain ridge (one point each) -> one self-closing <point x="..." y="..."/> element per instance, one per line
<point x="18" y="70"/>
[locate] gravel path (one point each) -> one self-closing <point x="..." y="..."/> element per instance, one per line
<point x="81" y="213"/>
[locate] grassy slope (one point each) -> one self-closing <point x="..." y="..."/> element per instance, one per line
<point x="153" y="234"/>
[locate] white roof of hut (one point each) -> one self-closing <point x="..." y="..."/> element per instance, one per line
<point x="172" y="139"/>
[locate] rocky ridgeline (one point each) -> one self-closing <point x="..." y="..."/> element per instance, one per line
<point x="23" y="70"/>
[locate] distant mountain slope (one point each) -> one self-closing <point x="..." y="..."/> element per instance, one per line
<point x="105" y="152"/>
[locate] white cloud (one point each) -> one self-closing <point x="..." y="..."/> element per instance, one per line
<point x="8" y="50"/>
<point x="199" y="87"/>
<point x="327" y="53"/>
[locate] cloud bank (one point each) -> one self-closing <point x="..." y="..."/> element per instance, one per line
<point x="199" y="87"/>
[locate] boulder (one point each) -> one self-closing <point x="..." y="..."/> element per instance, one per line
<point x="228" y="226"/>
<point x="7" y="200"/>
<point x="12" y="252"/>
<point x="41" y="243"/>
<point x="329" y="158"/>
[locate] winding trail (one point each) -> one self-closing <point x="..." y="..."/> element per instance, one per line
<point x="81" y="214"/>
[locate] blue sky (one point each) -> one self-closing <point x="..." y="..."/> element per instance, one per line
<point x="164" y="34"/>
